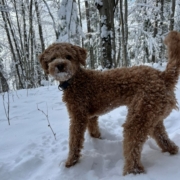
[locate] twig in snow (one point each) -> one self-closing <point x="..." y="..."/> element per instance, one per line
<point x="47" y="117"/>
<point x="6" y="109"/>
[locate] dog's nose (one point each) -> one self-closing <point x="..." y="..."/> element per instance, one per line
<point x="60" y="67"/>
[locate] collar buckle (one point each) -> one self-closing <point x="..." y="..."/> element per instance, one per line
<point x="59" y="87"/>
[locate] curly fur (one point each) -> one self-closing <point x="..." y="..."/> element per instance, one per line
<point x="148" y="93"/>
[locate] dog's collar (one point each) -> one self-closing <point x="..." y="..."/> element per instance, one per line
<point x="64" y="85"/>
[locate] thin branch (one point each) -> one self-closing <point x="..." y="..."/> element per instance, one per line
<point x="52" y="17"/>
<point x="47" y="117"/>
<point x="6" y="109"/>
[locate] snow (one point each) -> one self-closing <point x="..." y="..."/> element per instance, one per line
<point x="104" y="29"/>
<point x="99" y="2"/>
<point x="29" y="151"/>
<point x="69" y="22"/>
<point x="46" y="83"/>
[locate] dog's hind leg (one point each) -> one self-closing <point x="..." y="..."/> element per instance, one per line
<point x="136" y="129"/>
<point x="77" y="129"/>
<point x="93" y="127"/>
<point x="160" y="135"/>
<point x="134" y="138"/>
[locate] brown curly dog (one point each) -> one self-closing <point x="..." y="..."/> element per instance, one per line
<point x="148" y="93"/>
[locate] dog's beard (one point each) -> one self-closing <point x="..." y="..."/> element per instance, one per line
<point x="61" y="76"/>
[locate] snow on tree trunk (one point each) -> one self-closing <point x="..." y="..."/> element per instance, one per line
<point x="69" y="21"/>
<point x="106" y="11"/>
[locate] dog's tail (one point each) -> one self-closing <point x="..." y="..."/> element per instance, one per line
<point x="171" y="74"/>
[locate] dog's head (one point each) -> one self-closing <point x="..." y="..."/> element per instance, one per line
<point x="62" y="60"/>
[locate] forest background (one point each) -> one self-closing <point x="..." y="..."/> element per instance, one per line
<point x="116" y="33"/>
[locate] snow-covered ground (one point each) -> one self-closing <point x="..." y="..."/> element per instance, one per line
<point x="29" y="151"/>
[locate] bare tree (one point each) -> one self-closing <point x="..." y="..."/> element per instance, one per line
<point x="171" y="27"/>
<point x="106" y="11"/>
<point x="155" y="30"/>
<point x="11" y="39"/>
<point x="56" y="29"/>
<point x="6" y="106"/>
<point x="3" y="83"/>
<point x="89" y="31"/>
<point x="124" y="30"/>
<point x="80" y="20"/>
<point x="39" y="26"/>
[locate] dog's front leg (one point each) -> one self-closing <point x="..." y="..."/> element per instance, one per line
<point x="76" y="138"/>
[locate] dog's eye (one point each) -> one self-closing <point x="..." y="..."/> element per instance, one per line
<point x="68" y="57"/>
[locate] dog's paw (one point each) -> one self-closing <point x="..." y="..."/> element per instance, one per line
<point x="172" y="149"/>
<point x="133" y="170"/>
<point x="96" y="135"/>
<point x="70" y="163"/>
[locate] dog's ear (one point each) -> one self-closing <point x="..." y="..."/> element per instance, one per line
<point x="82" y="54"/>
<point x="43" y="63"/>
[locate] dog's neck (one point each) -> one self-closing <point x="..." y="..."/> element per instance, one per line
<point x="64" y="85"/>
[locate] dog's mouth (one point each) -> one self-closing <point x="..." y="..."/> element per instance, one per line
<point x="61" y="70"/>
<point x="61" y="73"/>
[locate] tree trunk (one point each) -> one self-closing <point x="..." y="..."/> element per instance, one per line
<point x="124" y="31"/>
<point x="162" y="32"/>
<point x="32" y="68"/>
<point x="3" y="83"/>
<point x="171" y="27"/>
<point x="89" y="30"/>
<point x="52" y="17"/>
<point x="5" y="19"/>
<point x="40" y="30"/>
<point x="18" y="25"/>
<point x="39" y="26"/>
<point x="155" y="32"/>
<point x="80" y="19"/>
<point x="145" y="28"/>
<point x="106" y="11"/>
